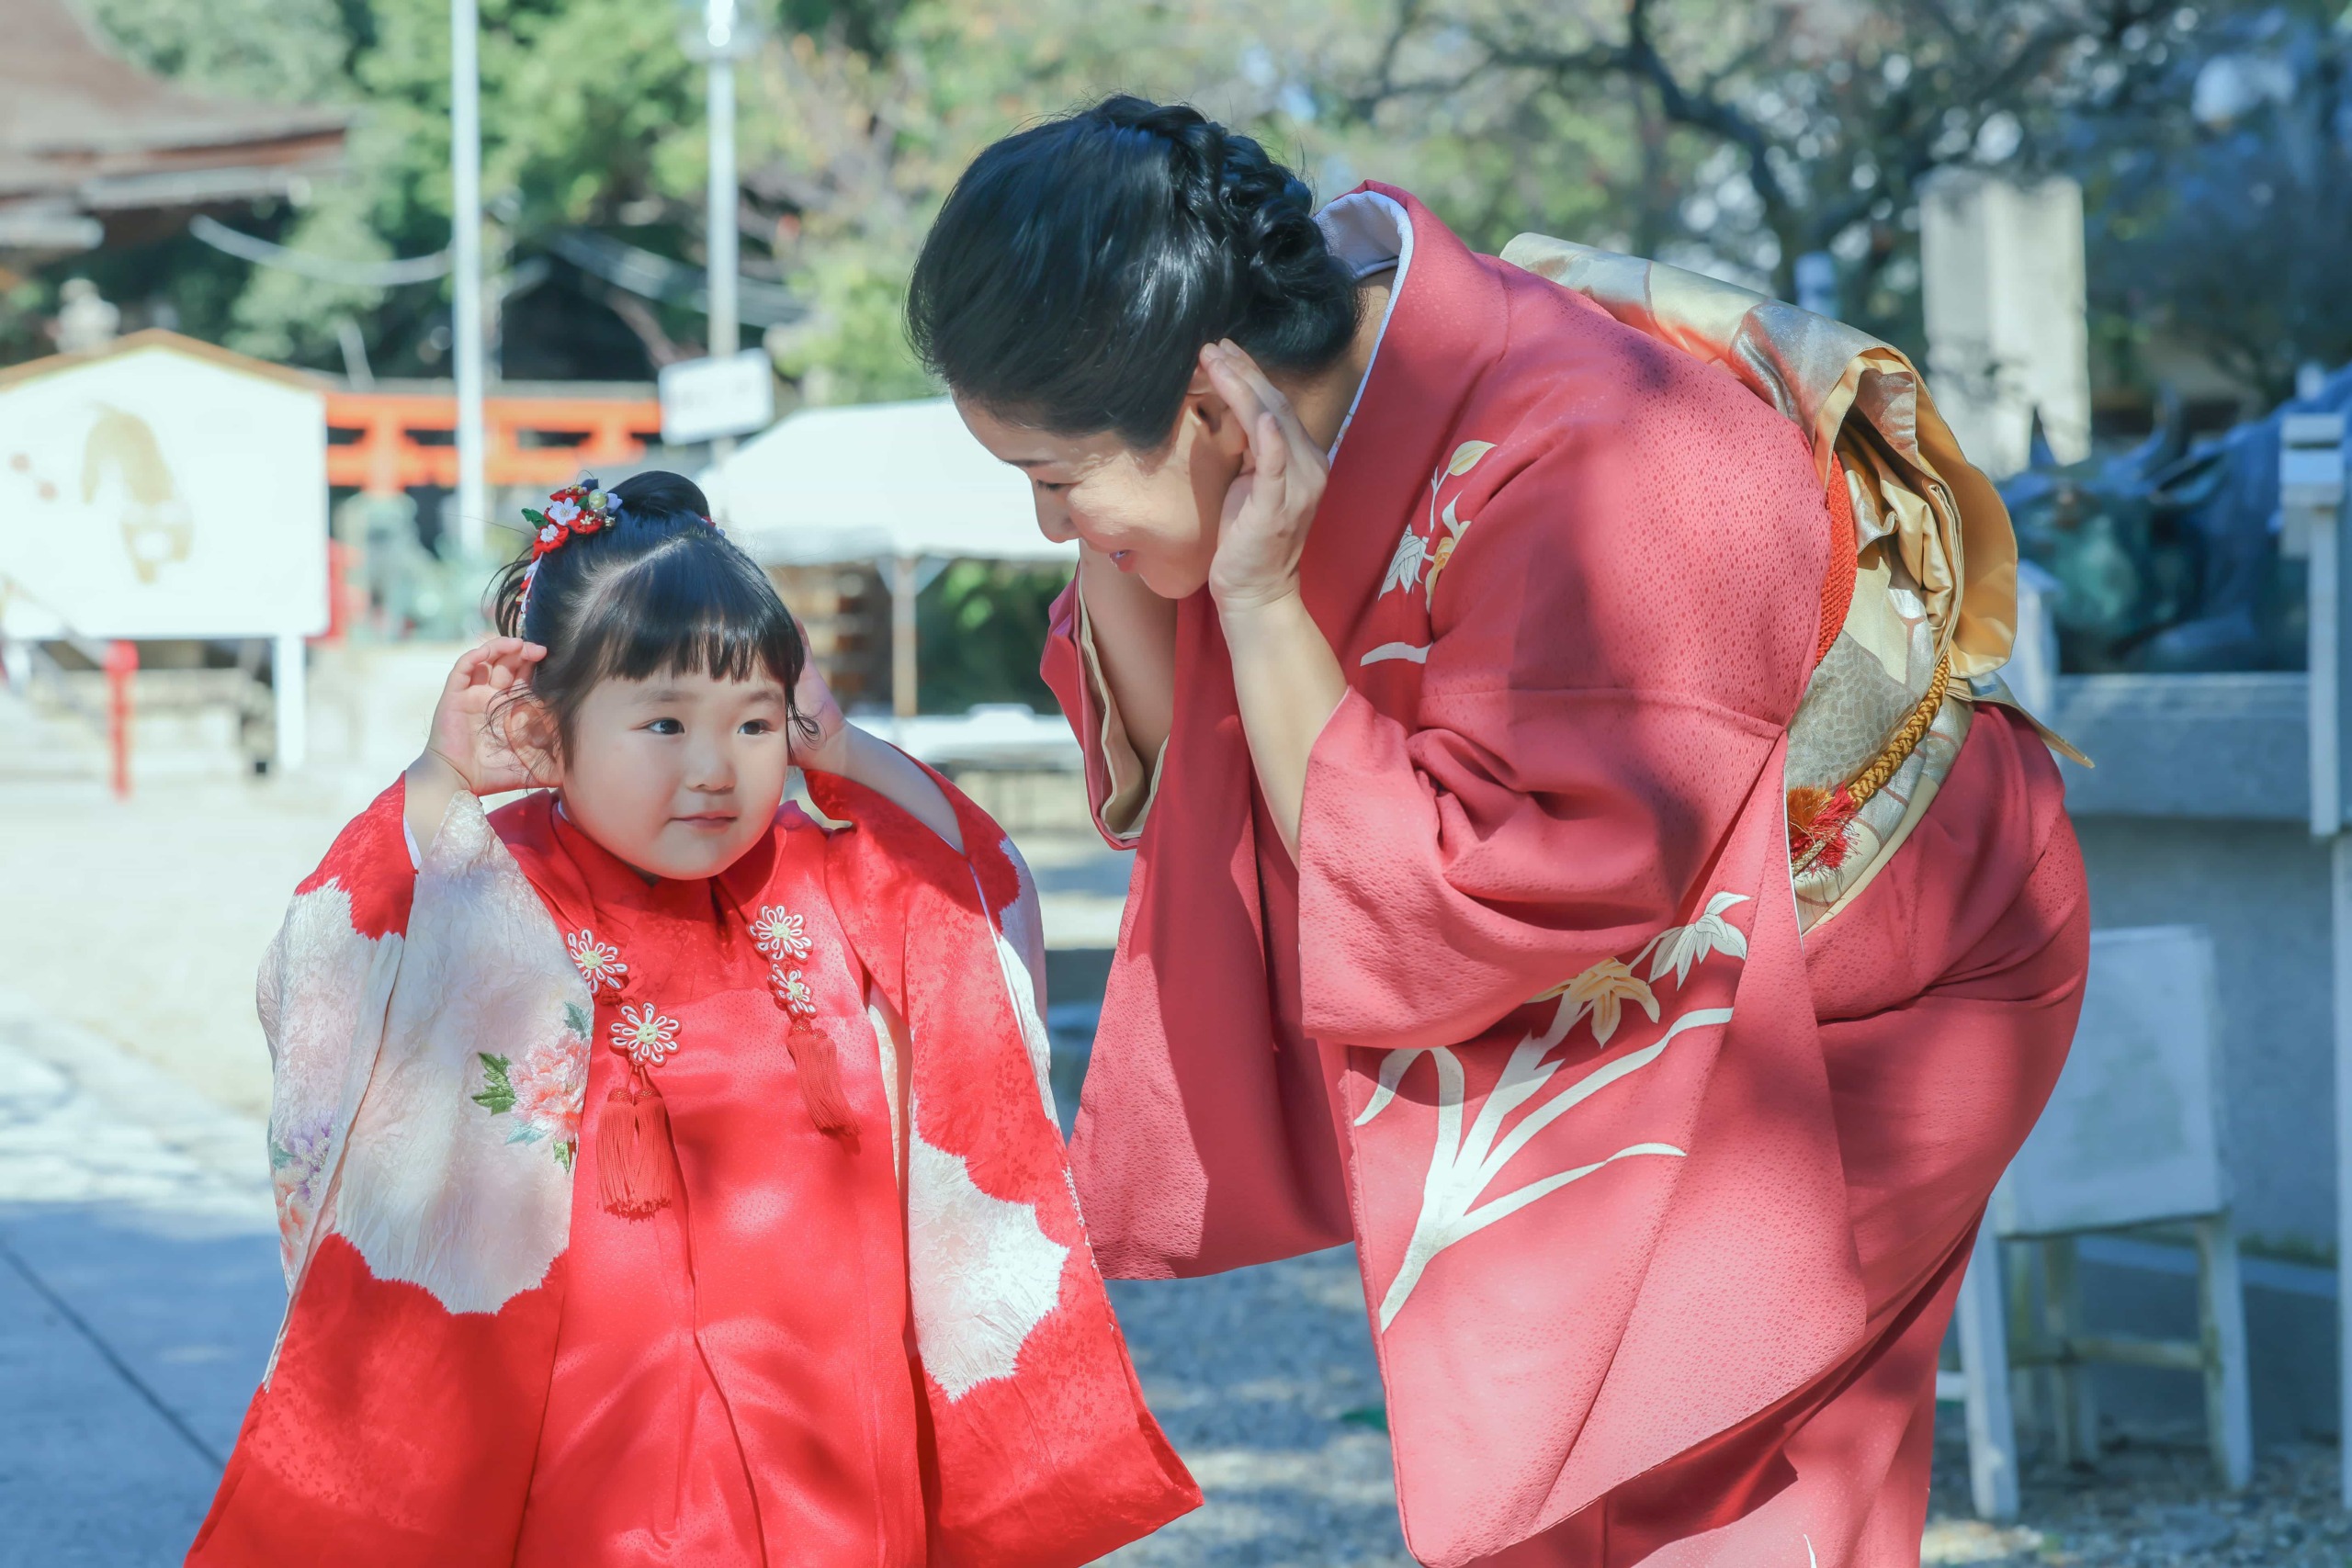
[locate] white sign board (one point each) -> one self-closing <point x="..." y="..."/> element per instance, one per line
<point x="2002" y="288"/>
<point x="705" y="398"/>
<point x="162" y="490"/>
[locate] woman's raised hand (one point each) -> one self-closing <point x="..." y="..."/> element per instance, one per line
<point x="467" y="732"/>
<point x="1271" y="504"/>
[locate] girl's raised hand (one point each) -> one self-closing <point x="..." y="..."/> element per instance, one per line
<point x="818" y="711"/>
<point x="1271" y="505"/>
<point x="466" y="732"/>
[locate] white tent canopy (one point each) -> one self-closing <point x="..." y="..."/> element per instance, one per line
<point x="882" y="481"/>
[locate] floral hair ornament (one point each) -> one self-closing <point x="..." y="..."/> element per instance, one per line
<point x="578" y="509"/>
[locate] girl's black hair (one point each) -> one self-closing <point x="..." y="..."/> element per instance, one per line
<point x="1078" y="266"/>
<point x="658" y="589"/>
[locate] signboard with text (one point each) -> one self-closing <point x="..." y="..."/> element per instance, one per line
<point x="703" y="399"/>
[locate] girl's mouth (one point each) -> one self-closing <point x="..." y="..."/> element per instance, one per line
<point x="708" y="821"/>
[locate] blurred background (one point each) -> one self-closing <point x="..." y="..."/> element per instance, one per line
<point x="301" y="299"/>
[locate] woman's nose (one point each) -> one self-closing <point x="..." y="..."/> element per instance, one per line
<point x="1053" y="520"/>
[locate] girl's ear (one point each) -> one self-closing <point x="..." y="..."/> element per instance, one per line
<point x="527" y="729"/>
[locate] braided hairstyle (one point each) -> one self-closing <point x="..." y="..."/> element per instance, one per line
<point x="656" y="590"/>
<point x="1078" y="266"/>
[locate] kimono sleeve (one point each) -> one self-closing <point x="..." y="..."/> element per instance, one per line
<point x="327" y="973"/>
<point x="1120" y="783"/>
<point x="1614" y="642"/>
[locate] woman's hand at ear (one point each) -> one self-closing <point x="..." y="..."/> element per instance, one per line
<point x="468" y="747"/>
<point x="1270" y="507"/>
<point x="1285" y="676"/>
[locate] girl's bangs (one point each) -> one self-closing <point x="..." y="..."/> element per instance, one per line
<point x="685" y="612"/>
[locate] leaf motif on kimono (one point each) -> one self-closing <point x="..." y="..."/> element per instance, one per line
<point x="498" y="1093"/>
<point x="1466" y="458"/>
<point x="1680" y="948"/>
<point x="1602" y="991"/>
<point x="576" y="1019"/>
<point x="1469" y="1160"/>
<point x="1404" y="566"/>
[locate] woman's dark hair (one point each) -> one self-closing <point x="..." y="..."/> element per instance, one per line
<point x="1080" y="265"/>
<point x="657" y="590"/>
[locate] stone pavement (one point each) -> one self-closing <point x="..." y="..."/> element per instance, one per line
<point x="139" y="1293"/>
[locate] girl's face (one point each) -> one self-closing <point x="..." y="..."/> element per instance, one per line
<point x="1154" y="513"/>
<point x="677" y="775"/>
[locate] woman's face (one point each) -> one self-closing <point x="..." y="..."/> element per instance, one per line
<point x="1153" y="513"/>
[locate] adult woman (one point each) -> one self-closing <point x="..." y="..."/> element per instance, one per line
<point x="1474" y="673"/>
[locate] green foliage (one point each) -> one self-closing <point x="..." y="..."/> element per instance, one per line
<point x="982" y="629"/>
<point x="497" y="1095"/>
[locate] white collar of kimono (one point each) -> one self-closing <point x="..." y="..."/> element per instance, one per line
<point x="1369" y="233"/>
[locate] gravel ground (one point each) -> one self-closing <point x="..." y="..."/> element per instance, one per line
<point x="2149" y="1506"/>
<point x="1263" y="1379"/>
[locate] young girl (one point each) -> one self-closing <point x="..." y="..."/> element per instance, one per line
<point x="666" y="1176"/>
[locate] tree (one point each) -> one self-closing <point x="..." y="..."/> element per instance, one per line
<point x="1762" y="132"/>
<point x="2219" y="178"/>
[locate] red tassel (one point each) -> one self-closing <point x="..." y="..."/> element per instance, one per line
<point x="818" y="1065"/>
<point x="635" y="1160"/>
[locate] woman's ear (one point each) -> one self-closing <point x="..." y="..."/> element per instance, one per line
<point x="1219" y="422"/>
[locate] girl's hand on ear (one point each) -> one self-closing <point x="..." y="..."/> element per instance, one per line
<point x="817" y="736"/>
<point x="1271" y="505"/>
<point x="468" y="733"/>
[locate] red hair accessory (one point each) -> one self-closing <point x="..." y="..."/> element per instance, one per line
<point x="577" y="509"/>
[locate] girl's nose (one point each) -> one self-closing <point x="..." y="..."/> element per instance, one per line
<point x="710" y="769"/>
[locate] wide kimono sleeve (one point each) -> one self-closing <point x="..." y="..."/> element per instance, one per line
<point x="422" y="1215"/>
<point x="1040" y="1450"/>
<point x="327" y="973"/>
<point x="1120" y="781"/>
<point x="1551" y="731"/>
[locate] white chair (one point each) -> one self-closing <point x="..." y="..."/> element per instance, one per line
<point x="2133" y="1136"/>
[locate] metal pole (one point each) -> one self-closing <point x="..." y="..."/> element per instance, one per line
<point x="464" y="244"/>
<point x="721" y="237"/>
<point x="289" y="677"/>
<point x="902" y="635"/>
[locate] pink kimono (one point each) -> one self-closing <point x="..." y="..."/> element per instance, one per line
<point x="1660" y="1204"/>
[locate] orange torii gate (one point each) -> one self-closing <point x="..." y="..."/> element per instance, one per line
<point x="384" y="441"/>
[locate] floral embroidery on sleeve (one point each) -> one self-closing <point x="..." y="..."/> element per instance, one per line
<point x="545" y="1090"/>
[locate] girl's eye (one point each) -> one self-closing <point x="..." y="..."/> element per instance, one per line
<point x="666" y="727"/>
<point x="1051" y="488"/>
<point x="756" y="727"/>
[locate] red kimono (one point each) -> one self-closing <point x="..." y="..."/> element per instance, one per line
<point x="886" y="1347"/>
<point x="1660" y="1204"/>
